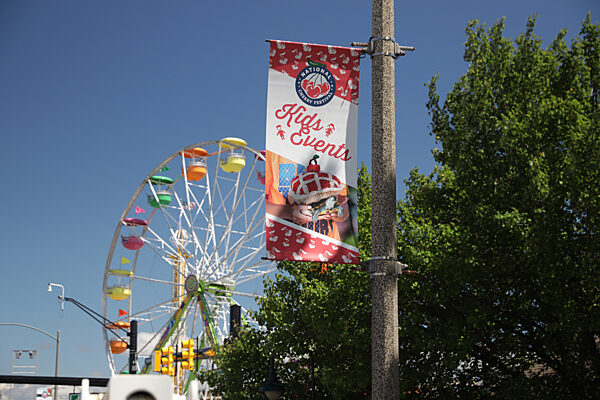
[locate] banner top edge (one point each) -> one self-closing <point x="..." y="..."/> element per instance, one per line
<point x="313" y="44"/>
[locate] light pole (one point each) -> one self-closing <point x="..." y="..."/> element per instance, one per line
<point x="56" y="338"/>
<point x="62" y="308"/>
<point x="384" y="267"/>
<point x="384" y="280"/>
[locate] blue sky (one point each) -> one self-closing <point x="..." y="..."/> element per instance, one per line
<point x="93" y="95"/>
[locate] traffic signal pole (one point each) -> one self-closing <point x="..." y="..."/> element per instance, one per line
<point x="133" y="347"/>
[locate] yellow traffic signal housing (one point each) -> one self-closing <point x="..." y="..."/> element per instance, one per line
<point x="168" y="370"/>
<point x="187" y="354"/>
<point x="166" y="360"/>
<point x="157" y="361"/>
<point x="167" y="350"/>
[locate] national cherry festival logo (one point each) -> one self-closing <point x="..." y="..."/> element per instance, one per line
<point x="315" y="85"/>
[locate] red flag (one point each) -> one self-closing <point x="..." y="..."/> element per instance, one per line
<point x="122" y="312"/>
<point x="139" y="210"/>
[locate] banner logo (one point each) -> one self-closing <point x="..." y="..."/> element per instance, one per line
<point x="315" y="85"/>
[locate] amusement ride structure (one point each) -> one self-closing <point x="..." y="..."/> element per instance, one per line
<point x="188" y="245"/>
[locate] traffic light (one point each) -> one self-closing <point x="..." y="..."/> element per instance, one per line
<point x="157" y="361"/>
<point x="187" y="354"/>
<point x="167" y="360"/>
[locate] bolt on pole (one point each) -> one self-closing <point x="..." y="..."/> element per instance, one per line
<point x="384" y="280"/>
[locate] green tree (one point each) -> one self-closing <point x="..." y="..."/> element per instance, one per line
<point x="504" y="232"/>
<point x="310" y="313"/>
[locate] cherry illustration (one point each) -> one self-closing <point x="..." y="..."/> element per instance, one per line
<point x="324" y="87"/>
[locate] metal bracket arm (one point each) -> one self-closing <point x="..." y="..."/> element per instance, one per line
<point x="369" y="48"/>
<point x="399" y="267"/>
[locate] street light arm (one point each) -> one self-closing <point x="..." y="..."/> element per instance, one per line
<point x="30" y="327"/>
<point x="96" y="316"/>
<point x="62" y="295"/>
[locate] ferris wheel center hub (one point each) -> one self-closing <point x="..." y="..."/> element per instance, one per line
<point x="191" y="284"/>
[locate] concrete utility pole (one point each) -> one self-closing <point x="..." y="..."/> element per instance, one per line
<point x="384" y="267"/>
<point x="384" y="280"/>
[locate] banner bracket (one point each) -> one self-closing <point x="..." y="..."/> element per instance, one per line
<point x="369" y="48"/>
<point x="400" y="268"/>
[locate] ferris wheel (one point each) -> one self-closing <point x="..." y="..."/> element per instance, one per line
<point x="187" y="247"/>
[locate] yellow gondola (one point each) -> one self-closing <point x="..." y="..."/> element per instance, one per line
<point x="118" y="292"/>
<point x="234" y="160"/>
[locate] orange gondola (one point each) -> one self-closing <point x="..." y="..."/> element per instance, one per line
<point x="117" y="346"/>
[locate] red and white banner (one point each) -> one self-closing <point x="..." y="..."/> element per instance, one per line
<point x="311" y="157"/>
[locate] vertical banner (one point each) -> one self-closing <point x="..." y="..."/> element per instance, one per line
<point x="311" y="157"/>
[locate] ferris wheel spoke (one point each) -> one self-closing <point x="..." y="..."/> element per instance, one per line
<point x="246" y="189"/>
<point x="214" y="188"/>
<point x="152" y="313"/>
<point x="199" y="202"/>
<point x="154" y="338"/>
<point x="222" y="210"/>
<point x="163" y="244"/>
<point x="227" y="232"/>
<point x="252" y="274"/>
<point x="244" y="213"/>
<point x="147" y="279"/>
<point x="237" y="293"/>
<point x="198" y="254"/>
<point x="238" y="246"/>
<point x="167" y="324"/>
<point x="250" y="268"/>
<point x="190" y="195"/>
<point x="252" y="253"/>
<point x="237" y="199"/>
<point x="223" y="200"/>
<point x="192" y="238"/>
<point x="195" y="316"/>
<point x="239" y="242"/>
<point x="217" y="313"/>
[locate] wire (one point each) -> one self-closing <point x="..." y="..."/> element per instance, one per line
<point x="97" y="317"/>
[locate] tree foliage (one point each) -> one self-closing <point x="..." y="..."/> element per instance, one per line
<point x="504" y="232"/>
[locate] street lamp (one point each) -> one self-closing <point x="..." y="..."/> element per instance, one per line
<point x="62" y="295"/>
<point x="273" y="389"/>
